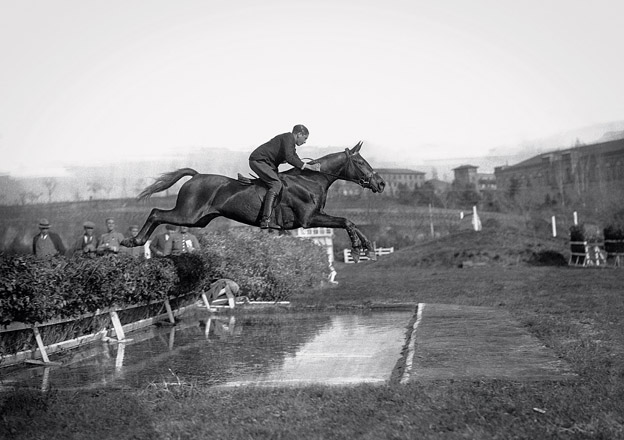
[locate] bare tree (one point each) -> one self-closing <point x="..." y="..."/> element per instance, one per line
<point x="50" y="183"/>
<point x="94" y="187"/>
<point x="27" y="197"/>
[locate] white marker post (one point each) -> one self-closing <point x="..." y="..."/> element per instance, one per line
<point x="554" y="226"/>
<point x="575" y="219"/>
<point x="476" y="221"/>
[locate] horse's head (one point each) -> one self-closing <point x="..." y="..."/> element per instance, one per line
<point x="358" y="170"/>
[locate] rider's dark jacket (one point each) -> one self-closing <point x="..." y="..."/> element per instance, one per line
<point x="280" y="149"/>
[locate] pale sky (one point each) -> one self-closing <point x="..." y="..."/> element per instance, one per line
<point x="88" y="81"/>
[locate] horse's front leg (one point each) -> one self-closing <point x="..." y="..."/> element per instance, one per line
<point x="367" y="246"/>
<point x="358" y="239"/>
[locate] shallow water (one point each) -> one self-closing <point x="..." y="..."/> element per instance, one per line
<point x="234" y="350"/>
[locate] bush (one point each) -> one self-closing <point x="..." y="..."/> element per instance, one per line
<point x="614" y="239"/>
<point x="547" y="258"/>
<point x="34" y="290"/>
<point x="577" y="233"/>
<point x="613" y="233"/>
<point x="267" y="267"/>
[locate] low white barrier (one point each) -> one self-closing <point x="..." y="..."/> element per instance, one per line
<point x="348" y="258"/>
<point x="116" y="334"/>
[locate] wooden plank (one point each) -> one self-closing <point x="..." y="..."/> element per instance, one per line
<point x="28" y="355"/>
<point x="169" y="312"/>
<point x="15" y="326"/>
<point x="42" y="350"/>
<point x="119" y="332"/>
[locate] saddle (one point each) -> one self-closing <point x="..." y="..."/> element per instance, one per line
<point x="246" y="180"/>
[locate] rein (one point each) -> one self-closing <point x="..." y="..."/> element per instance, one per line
<point x="362" y="181"/>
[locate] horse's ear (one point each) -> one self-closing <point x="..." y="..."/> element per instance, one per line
<point x="356" y="148"/>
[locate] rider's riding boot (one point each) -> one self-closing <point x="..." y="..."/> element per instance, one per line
<point x="269" y="199"/>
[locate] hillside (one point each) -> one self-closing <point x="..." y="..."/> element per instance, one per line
<point x="490" y="247"/>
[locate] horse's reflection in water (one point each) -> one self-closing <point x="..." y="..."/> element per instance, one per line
<point x="207" y="196"/>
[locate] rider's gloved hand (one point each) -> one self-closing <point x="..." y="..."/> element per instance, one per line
<point x="314" y="167"/>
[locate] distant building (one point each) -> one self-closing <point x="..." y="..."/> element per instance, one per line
<point x="398" y="179"/>
<point x="466" y="176"/>
<point x="486" y="181"/>
<point x="567" y="174"/>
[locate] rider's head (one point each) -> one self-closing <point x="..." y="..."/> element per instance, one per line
<point x="301" y="134"/>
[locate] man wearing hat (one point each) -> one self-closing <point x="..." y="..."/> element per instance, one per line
<point x="110" y="241"/>
<point x="162" y="245"/>
<point x="86" y="243"/>
<point x="47" y="244"/>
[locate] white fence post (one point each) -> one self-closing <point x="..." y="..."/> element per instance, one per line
<point x="554" y="226"/>
<point x="476" y="221"/>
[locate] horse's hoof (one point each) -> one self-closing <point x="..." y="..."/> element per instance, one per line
<point x="128" y="242"/>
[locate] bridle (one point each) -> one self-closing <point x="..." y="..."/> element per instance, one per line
<point x="363" y="180"/>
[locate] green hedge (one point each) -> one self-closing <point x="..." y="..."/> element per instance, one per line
<point x="33" y="290"/>
<point x="266" y="267"/>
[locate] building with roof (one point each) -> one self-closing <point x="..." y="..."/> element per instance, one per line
<point x="486" y="181"/>
<point x="465" y="176"/>
<point x="398" y="179"/>
<point x="567" y="175"/>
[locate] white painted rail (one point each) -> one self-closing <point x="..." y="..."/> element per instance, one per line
<point x="348" y="258"/>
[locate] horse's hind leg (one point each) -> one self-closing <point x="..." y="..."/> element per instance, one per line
<point x="160" y="216"/>
<point x="152" y="222"/>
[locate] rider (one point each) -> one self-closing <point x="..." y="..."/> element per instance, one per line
<point x="266" y="159"/>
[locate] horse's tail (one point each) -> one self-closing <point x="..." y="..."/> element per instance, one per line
<point x="166" y="180"/>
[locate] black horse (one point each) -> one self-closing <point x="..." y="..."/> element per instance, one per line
<point x="205" y="197"/>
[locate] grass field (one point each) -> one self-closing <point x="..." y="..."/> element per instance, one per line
<point x="576" y="312"/>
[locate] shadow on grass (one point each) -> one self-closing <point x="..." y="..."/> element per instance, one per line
<point x="113" y="414"/>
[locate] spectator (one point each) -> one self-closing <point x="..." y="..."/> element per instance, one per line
<point x="47" y="244"/>
<point x="86" y="244"/>
<point x="162" y="245"/>
<point x="137" y="251"/>
<point x="183" y="242"/>
<point x="110" y="241"/>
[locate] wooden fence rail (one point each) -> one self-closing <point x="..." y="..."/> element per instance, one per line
<point x="348" y="258"/>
